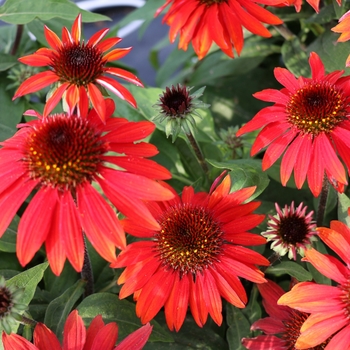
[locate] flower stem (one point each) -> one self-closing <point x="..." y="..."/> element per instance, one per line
<point x="18" y="38"/>
<point x="272" y="258"/>
<point x="322" y="202"/>
<point x="198" y="153"/>
<point x="28" y="321"/>
<point x="86" y="272"/>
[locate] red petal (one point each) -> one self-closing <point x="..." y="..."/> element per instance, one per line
<point x="97" y="101"/>
<point x="33" y="228"/>
<point x="12" y="198"/>
<point x="76" y="29"/>
<point x="71" y="231"/>
<point x="54" y="245"/>
<point x="117" y="89"/>
<point x="36" y="60"/>
<point x="140" y="149"/>
<point x="131" y="131"/>
<point x="72" y="98"/>
<point x="51" y="103"/>
<point x="303" y="160"/>
<point x="106" y="44"/>
<point x="197" y="303"/>
<point x="45" y="339"/>
<point x="106" y="337"/>
<point x="137" y="339"/>
<point x="140" y="166"/>
<point x="212" y="297"/>
<point x="177" y="304"/>
<point x="316" y="65"/>
<point x="74" y="333"/>
<point x="35" y="83"/>
<point x="116" y="54"/>
<point x="154" y="294"/>
<point x="53" y="40"/>
<point x="122" y="73"/>
<point x="287" y="79"/>
<point x="95" y="325"/>
<point x="98" y="36"/>
<point x="16" y="342"/>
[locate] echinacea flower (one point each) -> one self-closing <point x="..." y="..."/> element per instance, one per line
<point x="196" y="256"/>
<point x="77" y="68"/>
<point x="328" y="305"/>
<point x="203" y="22"/>
<point x="308" y="124"/>
<point x="10" y="305"/>
<point x="64" y="157"/>
<point x="282" y="327"/>
<point x="291" y="230"/>
<point x="98" y="336"/>
<point x="178" y="106"/>
<point x="343" y="27"/>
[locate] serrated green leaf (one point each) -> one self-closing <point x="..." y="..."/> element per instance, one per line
<point x="290" y="268"/>
<point x="24" y="11"/>
<point x="59" y="309"/>
<point x="238" y="327"/>
<point x="122" y="312"/>
<point x="28" y="280"/>
<point x="295" y="58"/>
<point x="244" y="173"/>
<point x="343" y="206"/>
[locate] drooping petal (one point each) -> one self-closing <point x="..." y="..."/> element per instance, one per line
<point x="33" y="228"/>
<point x="16" y="342"/>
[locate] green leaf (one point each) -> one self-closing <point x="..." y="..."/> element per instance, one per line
<point x="244" y="173"/>
<point x="290" y="268"/>
<point x="332" y="53"/>
<point x="28" y="280"/>
<point x="24" y="11"/>
<point x="8" y="240"/>
<point x="238" y="327"/>
<point x="253" y="310"/>
<point x="343" y="206"/>
<point x="122" y="312"/>
<point x="6" y="61"/>
<point x="295" y="58"/>
<point x="11" y="112"/>
<point x="59" y="309"/>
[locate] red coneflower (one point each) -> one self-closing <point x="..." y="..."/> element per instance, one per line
<point x="64" y="157"/>
<point x="203" y="22"/>
<point x="77" y="67"/>
<point x="282" y="327"/>
<point x="309" y="123"/>
<point x="76" y="337"/>
<point x="195" y="257"/>
<point x="327" y="305"/>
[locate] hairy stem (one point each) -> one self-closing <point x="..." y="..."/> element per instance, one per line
<point x="322" y="202"/>
<point x="86" y="272"/>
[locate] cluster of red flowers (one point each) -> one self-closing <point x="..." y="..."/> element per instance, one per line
<point x="83" y="165"/>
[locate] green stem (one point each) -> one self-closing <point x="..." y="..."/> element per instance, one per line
<point x="86" y="273"/>
<point x="18" y="38"/>
<point x="322" y="202"/>
<point x="198" y="153"/>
